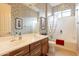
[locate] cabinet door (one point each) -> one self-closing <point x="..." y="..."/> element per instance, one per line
<point x="5" y="19"/>
<point x="20" y="52"/>
<point x="35" y="48"/>
<point x="27" y="54"/>
<point x="36" y="51"/>
<point x="34" y="45"/>
<point x="6" y="54"/>
<point x="45" y="46"/>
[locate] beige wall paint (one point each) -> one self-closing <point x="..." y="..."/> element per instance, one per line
<point x="5" y="19"/>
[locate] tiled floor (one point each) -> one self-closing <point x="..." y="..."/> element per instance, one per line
<point x="54" y="51"/>
<point x="61" y="53"/>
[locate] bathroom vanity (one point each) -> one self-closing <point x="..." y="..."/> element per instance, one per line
<point x="30" y="45"/>
<point x="27" y="44"/>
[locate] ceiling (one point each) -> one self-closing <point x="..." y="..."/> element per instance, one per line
<point x="54" y="4"/>
<point x="38" y="7"/>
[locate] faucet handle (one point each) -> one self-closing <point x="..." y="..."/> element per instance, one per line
<point x="20" y="38"/>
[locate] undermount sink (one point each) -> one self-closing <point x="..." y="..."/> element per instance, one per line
<point x="17" y="42"/>
<point x="14" y="39"/>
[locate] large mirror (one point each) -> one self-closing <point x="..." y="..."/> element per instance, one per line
<point x="13" y="15"/>
<point x="28" y="17"/>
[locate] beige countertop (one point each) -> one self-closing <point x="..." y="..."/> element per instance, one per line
<point x="7" y="46"/>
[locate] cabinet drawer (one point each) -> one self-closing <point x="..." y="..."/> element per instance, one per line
<point x="19" y="51"/>
<point x="36" y="51"/>
<point x="34" y="45"/>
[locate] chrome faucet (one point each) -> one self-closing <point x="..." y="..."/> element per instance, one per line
<point x="20" y="37"/>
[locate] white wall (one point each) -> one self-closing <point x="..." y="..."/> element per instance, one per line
<point x="68" y="27"/>
<point x="77" y="28"/>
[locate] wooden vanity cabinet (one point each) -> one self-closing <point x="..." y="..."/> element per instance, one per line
<point x="35" y="49"/>
<point x="28" y="54"/>
<point x="20" y="52"/>
<point x="6" y="54"/>
<point x="45" y="46"/>
<point x="39" y="48"/>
